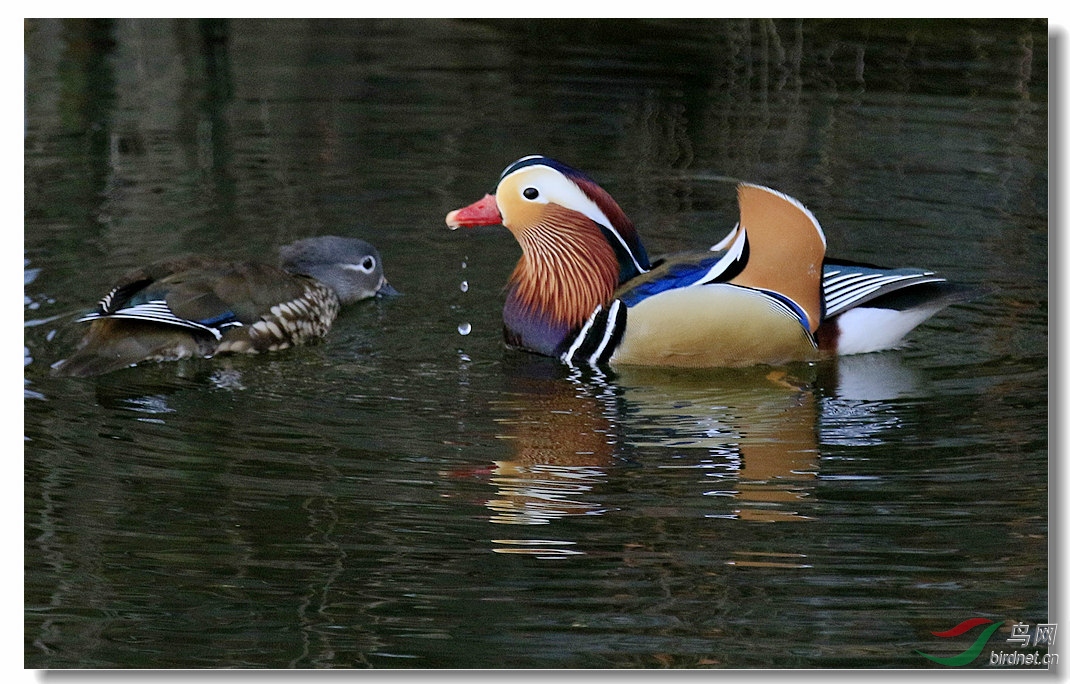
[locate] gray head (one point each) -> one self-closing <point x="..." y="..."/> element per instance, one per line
<point x="349" y="266"/>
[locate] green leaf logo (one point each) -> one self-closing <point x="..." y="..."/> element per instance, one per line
<point x="974" y="650"/>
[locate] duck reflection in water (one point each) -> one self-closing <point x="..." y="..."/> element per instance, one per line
<point x="565" y="430"/>
<point x="562" y="440"/>
<point x="751" y="432"/>
<point x="752" y="436"/>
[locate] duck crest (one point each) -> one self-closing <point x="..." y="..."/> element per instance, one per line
<point x="629" y="248"/>
<point x="567" y="270"/>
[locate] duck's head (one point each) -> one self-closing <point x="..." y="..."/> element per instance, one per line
<point x="578" y="246"/>
<point x="536" y="193"/>
<point x="351" y="267"/>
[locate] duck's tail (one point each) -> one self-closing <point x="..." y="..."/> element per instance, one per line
<point x="112" y="344"/>
<point x="868" y="308"/>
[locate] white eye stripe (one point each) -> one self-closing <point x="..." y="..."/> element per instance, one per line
<point x="365" y="266"/>
<point x="554" y="187"/>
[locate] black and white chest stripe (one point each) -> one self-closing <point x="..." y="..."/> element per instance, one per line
<point x="599" y="337"/>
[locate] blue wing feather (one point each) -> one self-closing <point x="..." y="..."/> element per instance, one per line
<point x="675" y="276"/>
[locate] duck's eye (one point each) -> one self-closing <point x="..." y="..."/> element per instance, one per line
<point x="531" y="193"/>
<point x="368" y="264"/>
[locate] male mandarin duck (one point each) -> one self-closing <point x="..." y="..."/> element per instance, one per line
<point x="584" y="290"/>
<point x="195" y="306"/>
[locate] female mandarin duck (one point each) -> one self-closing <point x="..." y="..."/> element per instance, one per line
<point x="193" y="306"/>
<point x="585" y="291"/>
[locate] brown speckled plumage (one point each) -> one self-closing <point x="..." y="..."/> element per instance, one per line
<point x="194" y="306"/>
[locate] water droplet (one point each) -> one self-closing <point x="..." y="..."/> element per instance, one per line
<point x="464" y="264"/>
<point x="464" y="286"/>
<point x="464" y="328"/>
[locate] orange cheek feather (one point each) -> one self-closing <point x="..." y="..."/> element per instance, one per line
<point x="567" y="268"/>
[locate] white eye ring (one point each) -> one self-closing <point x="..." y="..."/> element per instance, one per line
<point x="368" y="265"/>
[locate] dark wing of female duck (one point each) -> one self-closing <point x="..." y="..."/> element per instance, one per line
<point x="585" y="291"/>
<point x="194" y="306"/>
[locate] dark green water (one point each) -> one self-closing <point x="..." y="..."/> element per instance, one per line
<point x="402" y="495"/>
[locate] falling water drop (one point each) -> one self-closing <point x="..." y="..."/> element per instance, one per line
<point x="464" y="328"/>
<point x="464" y="286"/>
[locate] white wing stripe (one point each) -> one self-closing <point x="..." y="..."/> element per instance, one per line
<point x="155" y="311"/>
<point x="723" y="244"/>
<point x="843" y="290"/>
<point x="727" y="260"/>
<point x="857" y="283"/>
<point x="844" y="299"/>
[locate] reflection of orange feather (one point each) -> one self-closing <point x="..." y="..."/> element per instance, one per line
<point x="562" y="441"/>
<point x="554" y="424"/>
<point x="567" y="268"/>
<point x="779" y="469"/>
